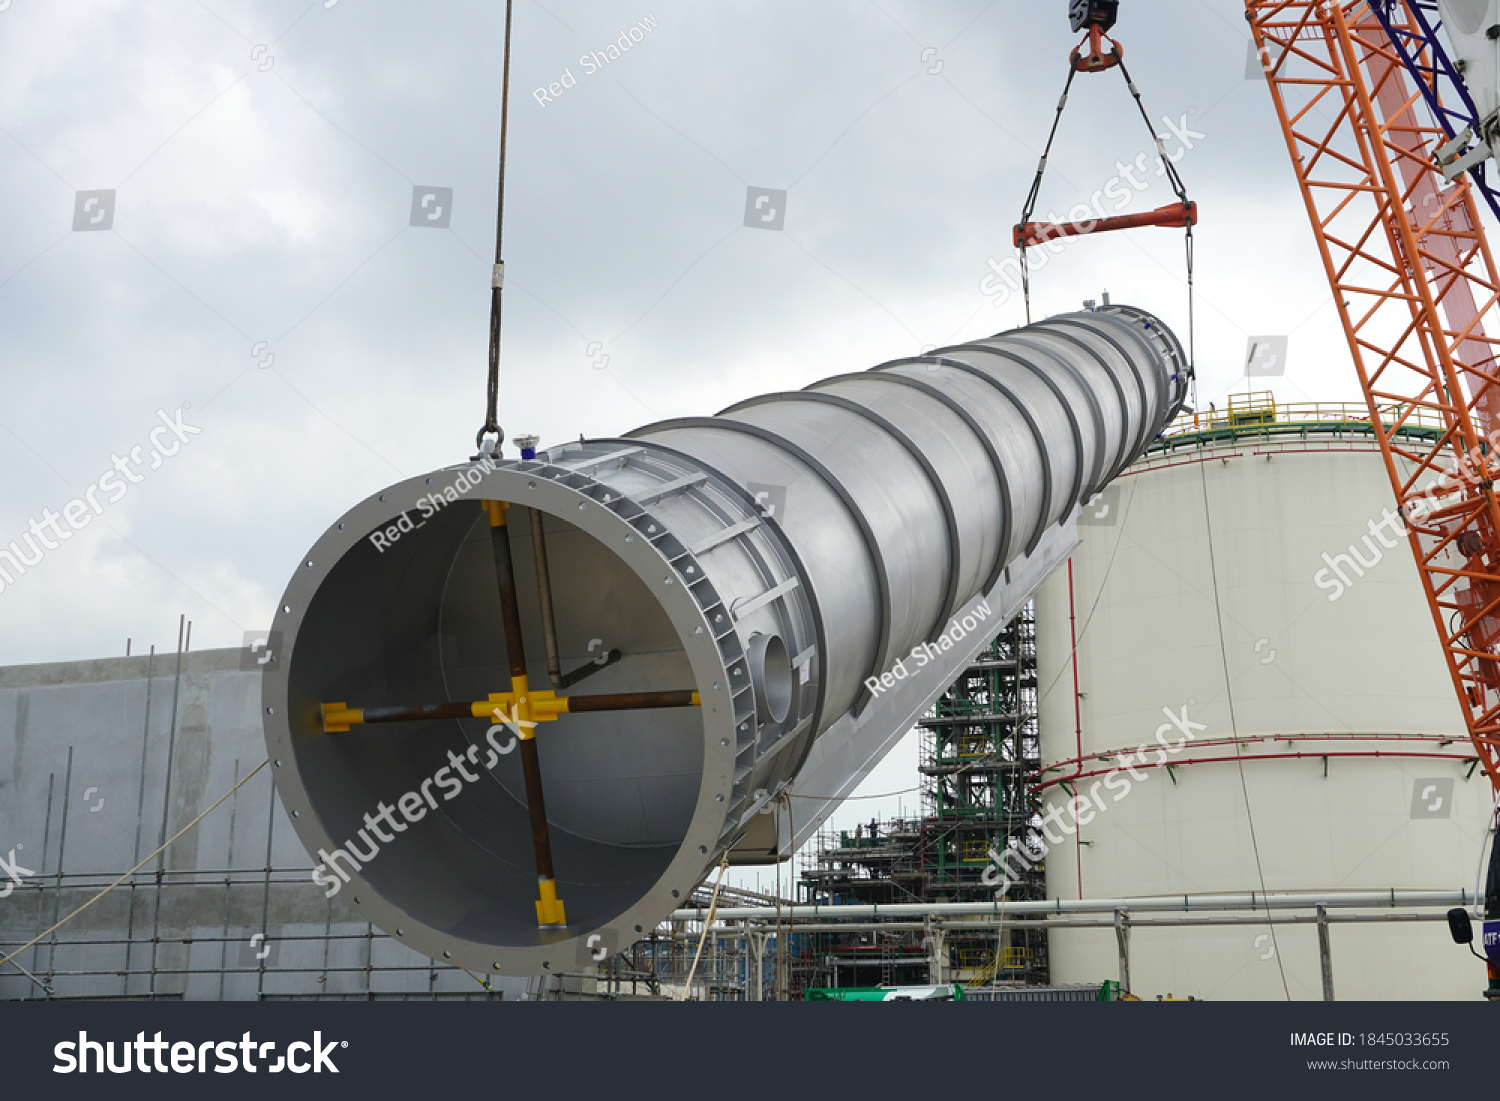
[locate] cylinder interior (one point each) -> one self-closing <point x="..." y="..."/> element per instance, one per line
<point x="415" y="619"/>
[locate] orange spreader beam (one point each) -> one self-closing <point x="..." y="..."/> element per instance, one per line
<point x="1415" y="285"/>
<point x="1172" y="216"/>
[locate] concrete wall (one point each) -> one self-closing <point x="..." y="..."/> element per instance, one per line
<point x="90" y="783"/>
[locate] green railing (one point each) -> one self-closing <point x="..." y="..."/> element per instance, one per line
<point x="1259" y="414"/>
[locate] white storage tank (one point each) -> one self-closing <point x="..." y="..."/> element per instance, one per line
<point x="1239" y="577"/>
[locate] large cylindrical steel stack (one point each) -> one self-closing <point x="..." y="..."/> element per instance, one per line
<point x="816" y="565"/>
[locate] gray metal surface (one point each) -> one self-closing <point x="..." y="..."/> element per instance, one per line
<point x="97" y="768"/>
<point x="878" y="525"/>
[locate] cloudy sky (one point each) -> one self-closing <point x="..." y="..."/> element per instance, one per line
<point x="252" y="269"/>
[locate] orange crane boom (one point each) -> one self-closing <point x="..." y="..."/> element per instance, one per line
<point x="1414" y="282"/>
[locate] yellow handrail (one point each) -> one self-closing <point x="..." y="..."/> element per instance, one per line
<point x="1010" y="959"/>
<point x="1251" y="410"/>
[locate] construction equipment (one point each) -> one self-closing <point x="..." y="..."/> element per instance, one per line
<point x="1366" y="99"/>
<point x="1089" y="56"/>
<point x="1461" y="92"/>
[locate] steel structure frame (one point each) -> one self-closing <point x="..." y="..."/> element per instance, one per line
<point x="1413" y="279"/>
<point x="1435" y="74"/>
<point x="980" y="756"/>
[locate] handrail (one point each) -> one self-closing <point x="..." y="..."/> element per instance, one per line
<point x="1251" y="415"/>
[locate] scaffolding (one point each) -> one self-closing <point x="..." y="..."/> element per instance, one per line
<point x="735" y="966"/>
<point x="231" y="911"/>
<point x="979" y="756"/>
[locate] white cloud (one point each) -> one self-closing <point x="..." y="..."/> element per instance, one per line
<point x="272" y="206"/>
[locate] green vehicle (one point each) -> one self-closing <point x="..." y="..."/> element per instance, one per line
<point x="946" y="992"/>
